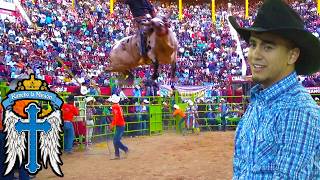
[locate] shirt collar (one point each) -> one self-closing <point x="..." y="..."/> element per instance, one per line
<point x="276" y="90"/>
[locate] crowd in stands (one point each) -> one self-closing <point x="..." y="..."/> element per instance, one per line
<point x="83" y="37"/>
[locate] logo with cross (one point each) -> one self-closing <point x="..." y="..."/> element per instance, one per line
<point x="30" y="128"/>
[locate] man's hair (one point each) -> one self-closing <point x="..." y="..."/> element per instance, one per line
<point x="70" y="98"/>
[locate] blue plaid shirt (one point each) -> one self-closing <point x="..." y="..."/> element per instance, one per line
<point x="279" y="135"/>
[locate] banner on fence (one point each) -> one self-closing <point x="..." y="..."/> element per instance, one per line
<point x="313" y="90"/>
<point x="185" y="92"/>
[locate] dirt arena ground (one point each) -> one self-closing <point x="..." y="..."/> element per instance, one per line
<point x="168" y="156"/>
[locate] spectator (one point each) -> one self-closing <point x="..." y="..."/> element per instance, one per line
<point x="69" y="111"/>
<point x="180" y="114"/>
<point x="224" y="111"/>
<point x="90" y="112"/>
<point x="192" y="115"/>
<point x="119" y="123"/>
<point x="144" y="116"/>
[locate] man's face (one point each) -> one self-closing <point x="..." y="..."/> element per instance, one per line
<point x="270" y="58"/>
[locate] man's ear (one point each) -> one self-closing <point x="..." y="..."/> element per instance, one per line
<point x="294" y="55"/>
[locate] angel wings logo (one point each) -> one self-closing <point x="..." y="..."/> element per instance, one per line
<point x="32" y="132"/>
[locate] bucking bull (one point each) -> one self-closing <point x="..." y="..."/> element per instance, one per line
<point x="161" y="45"/>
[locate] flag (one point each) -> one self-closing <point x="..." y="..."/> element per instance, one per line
<point x="111" y="6"/>
<point x="243" y="67"/>
<point x="180" y="9"/>
<point x="247" y="9"/>
<point x="318" y="7"/>
<point x="213" y="10"/>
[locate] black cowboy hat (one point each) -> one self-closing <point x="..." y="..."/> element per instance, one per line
<point x="70" y="98"/>
<point x="278" y="17"/>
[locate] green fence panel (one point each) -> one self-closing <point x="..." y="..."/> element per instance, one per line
<point x="155" y="118"/>
<point x="4" y="90"/>
<point x="231" y="121"/>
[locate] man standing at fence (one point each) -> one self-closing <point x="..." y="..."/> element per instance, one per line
<point x="192" y="115"/>
<point x="278" y="136"/>
<point x="90" y="112"/>
<point x="180" y="114"/>
<point x="224" y="111"/>
<point x="118" y="122"/>
<point x="69" y="111"/>
<point x="317" y="100"/>
<point x="144" y="110"/>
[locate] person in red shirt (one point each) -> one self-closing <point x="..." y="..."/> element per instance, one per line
<point x="68" y="113"/>
<point x="118" y="122"/>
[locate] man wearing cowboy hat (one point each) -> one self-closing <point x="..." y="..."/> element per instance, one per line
<point x="278" y="136"/>
<point x="90" y="112"/>
<point x="223" y="107"/>
<point x="192" y="115"/>
<point x="317" y="100"/>
<point x="144" y="110"/>
<point x="180" y="114"/>
<point x="118" y="122"/>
